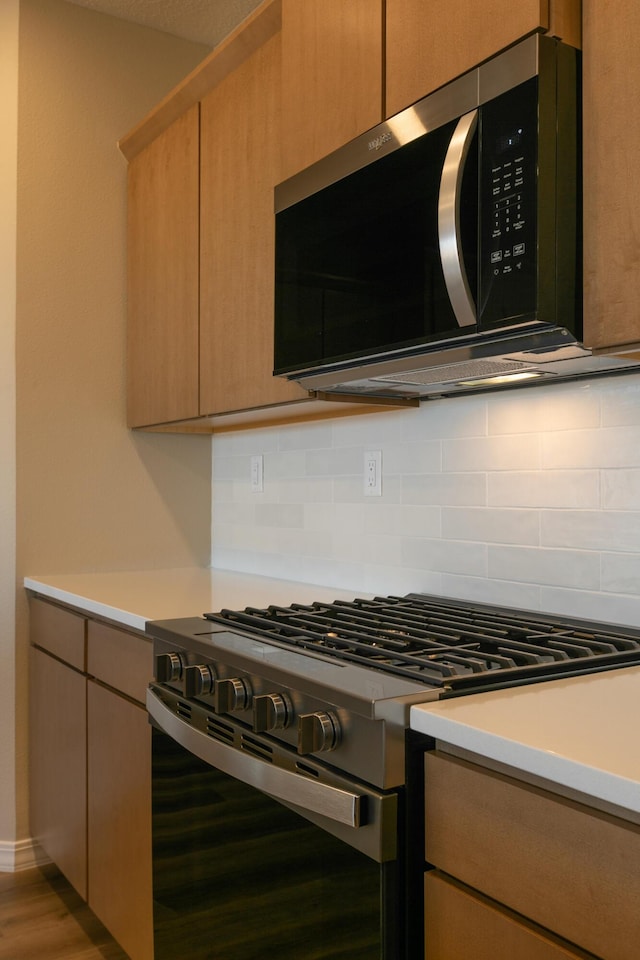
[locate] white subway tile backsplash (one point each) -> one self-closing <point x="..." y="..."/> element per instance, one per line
<point x="442" y="419"/>
<point x="545" y="488"/>
<point x="421" y="457"/>
<point x="592" y="605"/>
<point x="591" y="530"/>
<point x="518" y="595"/>
<point x="513" y="452"/>
<point x="278" y="515"/>
<point x="347" y="461"/>
<point x="620" y="573"/>
<point x="566" y="407"/>
<point x="403" y="520"/>
<point x="306" y="490"/>
<point x="563" y="568"/>
<point x="621" y="489"/>
<point x="442" y="489"/>
<point x="444" y="556"/>
<point x="605" y="448"/>
<point x="372" y="430"/>
<point x="491" y="525"/>
<point x="528" y="498"/>
<point x="620" y="397"/>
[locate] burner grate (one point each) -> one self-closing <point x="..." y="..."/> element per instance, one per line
<point x="435" y="641"/>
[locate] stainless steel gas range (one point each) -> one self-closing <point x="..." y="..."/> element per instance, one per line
<point x="287" y="787"/>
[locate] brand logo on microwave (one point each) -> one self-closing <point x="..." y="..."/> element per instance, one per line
<point x="379" y="141"/>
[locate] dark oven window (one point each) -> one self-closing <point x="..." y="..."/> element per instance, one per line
<point x="238" y="876"/>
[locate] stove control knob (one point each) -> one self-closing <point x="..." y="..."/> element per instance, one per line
<point x="198" y="680"/>
<point x="169" y="667"/>
<point x="271" y="711"/>
<point x="233" y="694"/>
<point x="317" y="732"/>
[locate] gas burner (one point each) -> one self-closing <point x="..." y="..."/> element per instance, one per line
<point x="436" y="641"/>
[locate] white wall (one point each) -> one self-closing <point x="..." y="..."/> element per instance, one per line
<point x="529" y="497"/>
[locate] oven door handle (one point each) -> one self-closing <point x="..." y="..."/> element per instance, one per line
<point x="340" y="806"/>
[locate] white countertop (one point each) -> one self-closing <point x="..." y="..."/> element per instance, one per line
<point x="133" y="597"/>
<point x="581" y="732"/>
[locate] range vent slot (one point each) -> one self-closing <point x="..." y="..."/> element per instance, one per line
<point x="183" y="710"/>
<point x="219" y="730"/>
<point x="257" y="749"/>
<point x="307" y="770"/>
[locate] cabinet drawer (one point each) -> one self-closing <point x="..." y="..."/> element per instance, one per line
<point x="58" y="631"/>
<point x="571" y="869"/>
<point x="459" y="923"/>
<point x="122" y="660"/>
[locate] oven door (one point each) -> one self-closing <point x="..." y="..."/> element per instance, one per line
<point x="239" y="874"/>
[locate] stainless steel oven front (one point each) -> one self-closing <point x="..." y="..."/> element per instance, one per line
<point x="263" y="846"/>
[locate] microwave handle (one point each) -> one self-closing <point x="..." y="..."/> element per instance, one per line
<point x="449" y="237"/>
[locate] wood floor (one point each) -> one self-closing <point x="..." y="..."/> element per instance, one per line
<point x="43" y="918"/>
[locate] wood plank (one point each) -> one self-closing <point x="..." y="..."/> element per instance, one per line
<point x="332" y="68"/>
<point x="565" y="867"/>
<point x="423" y="54"/>
<point x="256" y="29"/>
<point x="58" y="765"/>
<point x="58" y="631"/>
<point x="162" y="276"/>
<point x="240" y="159"/>
<point x="457" y="917"/>
<point x="42" y="917"/>
<point x="611" y="118"/>
<point x="120" y="659"/>
<point x="119" y="819"/>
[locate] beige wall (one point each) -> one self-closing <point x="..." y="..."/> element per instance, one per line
<point x="8" y="171"/>
<point x="91" y="495"/>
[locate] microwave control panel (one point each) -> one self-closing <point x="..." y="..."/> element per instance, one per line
<point x="508" y="206"/>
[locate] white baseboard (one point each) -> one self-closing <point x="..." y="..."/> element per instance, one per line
<point x="21" y="855"/>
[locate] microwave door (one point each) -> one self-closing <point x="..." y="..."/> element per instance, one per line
<point x="450" y="221"/>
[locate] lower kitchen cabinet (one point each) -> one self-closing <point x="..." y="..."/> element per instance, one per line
<point x="522" y="872"/>
<point x="58" y="765"/>
<point x="90" y="750"/>
<point x="119" y="837"/>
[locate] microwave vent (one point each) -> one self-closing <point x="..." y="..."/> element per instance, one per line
<point x="452" y="372"/>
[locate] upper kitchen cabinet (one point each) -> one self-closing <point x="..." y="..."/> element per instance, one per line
<point x="240" y="165"/>
<point x="162" y="270"/>
<point x="429" y="43"/>
<point x="611" y="71"/>
<point x="332" y="68"/>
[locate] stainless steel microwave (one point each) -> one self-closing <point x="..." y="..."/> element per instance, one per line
<point x="443" y="247"/>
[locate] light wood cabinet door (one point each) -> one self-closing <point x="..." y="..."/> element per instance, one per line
<point x="240" y="167"/>
<point x="119" y="819"/>
<point x="58" y="765"/>
<point x="460" y="923"/>
<point x="162" y="284"/>
<point x="332" y="68"/>
<point x="429" y="42"/>
<point x="566" y="867"/>
<point x="611" y="117"/>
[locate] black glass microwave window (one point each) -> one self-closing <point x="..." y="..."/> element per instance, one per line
<point x="358" y="267"/>
<point x="508" y="205"/>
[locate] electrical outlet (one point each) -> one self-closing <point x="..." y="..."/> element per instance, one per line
<point x="257" y="474"/>
<point x="373" y="473"/>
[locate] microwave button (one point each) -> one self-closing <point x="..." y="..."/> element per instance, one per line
<point x="518" y="249"/>
<point x="496" y="256"/>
